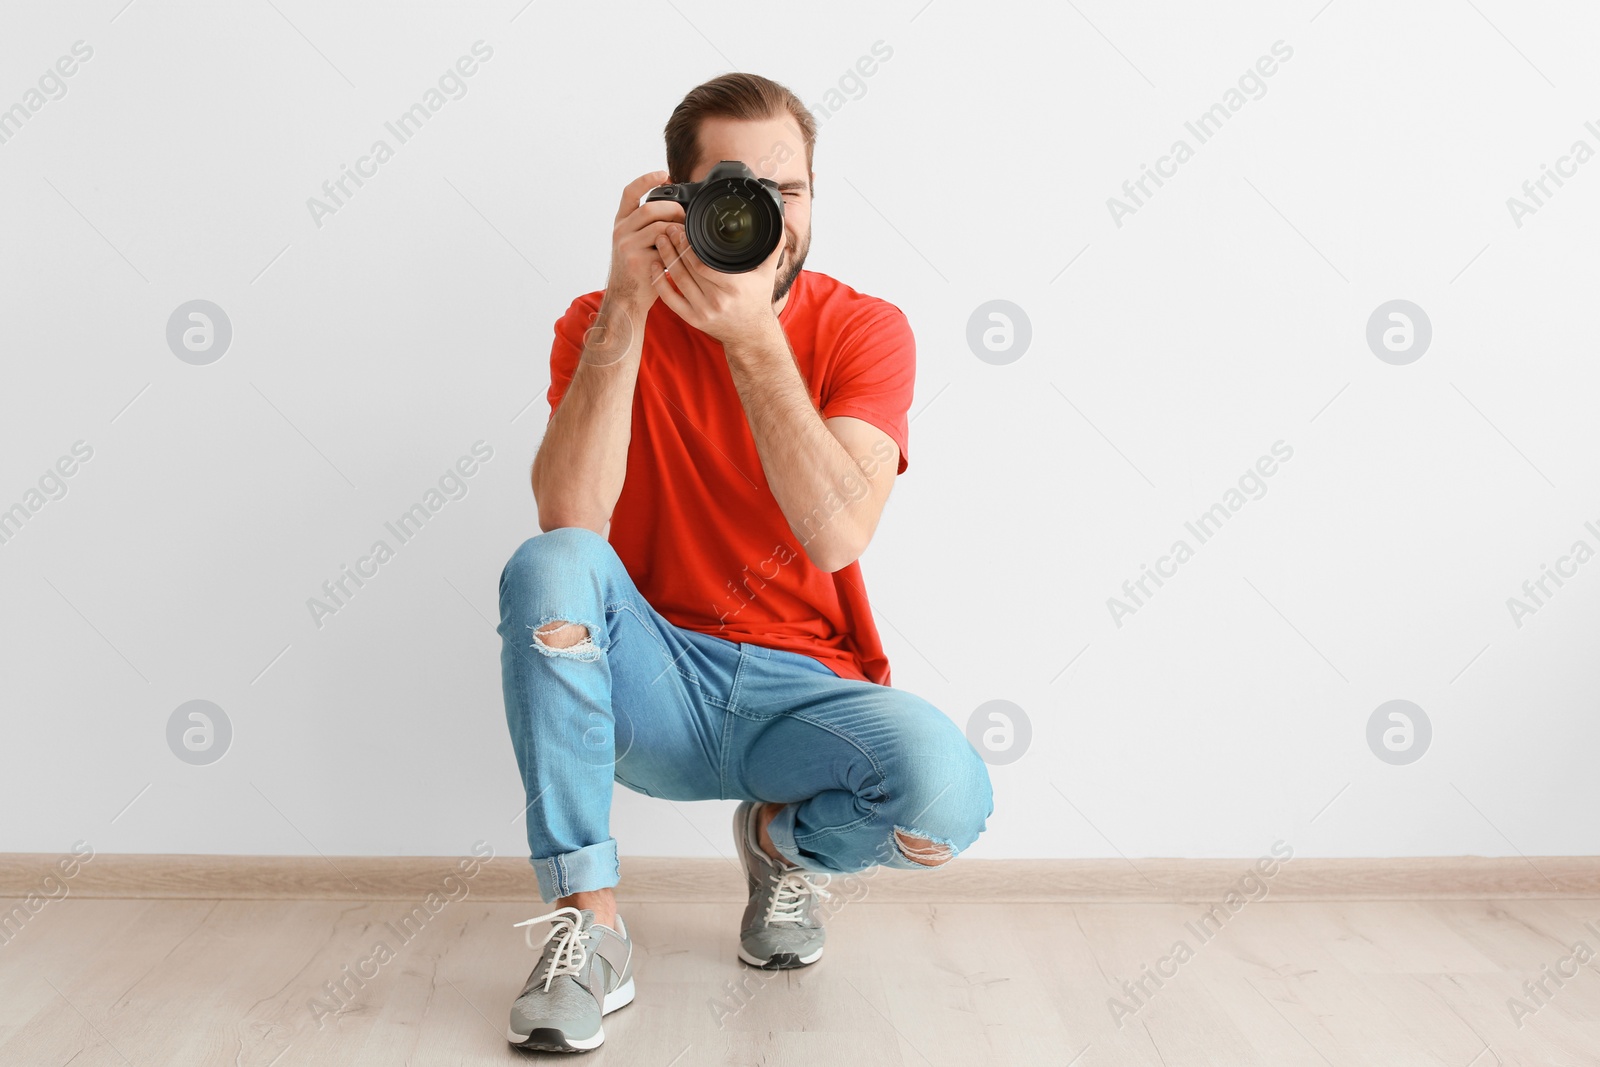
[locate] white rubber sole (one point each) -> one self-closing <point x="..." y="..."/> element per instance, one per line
<point x="619" y="997"/>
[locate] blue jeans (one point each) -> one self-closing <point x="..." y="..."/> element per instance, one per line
<point x="682" y="715"/>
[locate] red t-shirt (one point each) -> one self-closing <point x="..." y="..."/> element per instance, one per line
<point x="696" y="525"/>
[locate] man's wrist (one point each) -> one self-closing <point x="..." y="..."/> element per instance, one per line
<point x="763" y="338"/>
<point x="614" y="329"/>
<point x="631" y="306"/>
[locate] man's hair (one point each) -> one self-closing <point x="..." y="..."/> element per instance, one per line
<point x="747" y="97"/>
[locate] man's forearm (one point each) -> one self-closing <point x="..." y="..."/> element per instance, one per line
<point x="580" y="467"/>
<point x="813" y="477"/>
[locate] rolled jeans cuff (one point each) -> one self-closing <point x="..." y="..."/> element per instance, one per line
<point x="579" y="871"/>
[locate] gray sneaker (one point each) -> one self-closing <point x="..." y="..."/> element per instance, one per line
<point x="781" y="927"/>
<point x="585" y="971"/>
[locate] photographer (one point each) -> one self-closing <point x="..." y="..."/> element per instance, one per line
<point x="693" y="623"/>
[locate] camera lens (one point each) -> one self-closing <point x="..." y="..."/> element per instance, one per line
<point x="734" y="225"/>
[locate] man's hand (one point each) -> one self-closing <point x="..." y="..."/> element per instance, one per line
<point x="635" y="246"/>
<point x="733" y="308"/>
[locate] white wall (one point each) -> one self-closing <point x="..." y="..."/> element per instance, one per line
<point x="1168" y="353"/>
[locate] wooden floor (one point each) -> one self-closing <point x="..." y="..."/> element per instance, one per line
<point x="155" y="982"/>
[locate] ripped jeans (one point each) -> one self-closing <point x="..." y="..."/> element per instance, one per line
<point x="682" y="715"/>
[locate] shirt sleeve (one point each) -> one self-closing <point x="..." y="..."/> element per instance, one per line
<point x="875" y="373"/>
<point x="568" y="345"/>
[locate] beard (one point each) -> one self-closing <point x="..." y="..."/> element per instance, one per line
<point x="794" y="258"/>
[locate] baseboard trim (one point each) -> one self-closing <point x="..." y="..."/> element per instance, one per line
<point x="655" y="878"/>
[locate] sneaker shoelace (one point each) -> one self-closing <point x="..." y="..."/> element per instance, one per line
<point x="794" y="888"/>
<point x="570" y="952"/>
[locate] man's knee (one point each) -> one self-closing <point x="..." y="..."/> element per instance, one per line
<point x="561" y="634"/>
<point x="555" y="585"/>
<point x="549" y="561"/>
<point x="945" y="795"/>
<point x="922" y="850"/>
<point x="564" y="548"/>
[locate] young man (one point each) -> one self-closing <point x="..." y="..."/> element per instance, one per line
<point x="738" y="434"/>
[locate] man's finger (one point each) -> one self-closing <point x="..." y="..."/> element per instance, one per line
<point x="637" y="188"/>
<point x="680" y="259"/>
<point x="647" y="235"/>
<point x="663" y="284"/>
<point x="656" y="213"/>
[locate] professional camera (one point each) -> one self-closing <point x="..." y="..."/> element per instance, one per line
<point x="734" y="219"/>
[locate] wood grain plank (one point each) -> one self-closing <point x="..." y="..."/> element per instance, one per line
<point x="228" y="982"/>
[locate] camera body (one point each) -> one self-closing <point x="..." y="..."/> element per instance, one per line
<point x="732" y="218"/>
